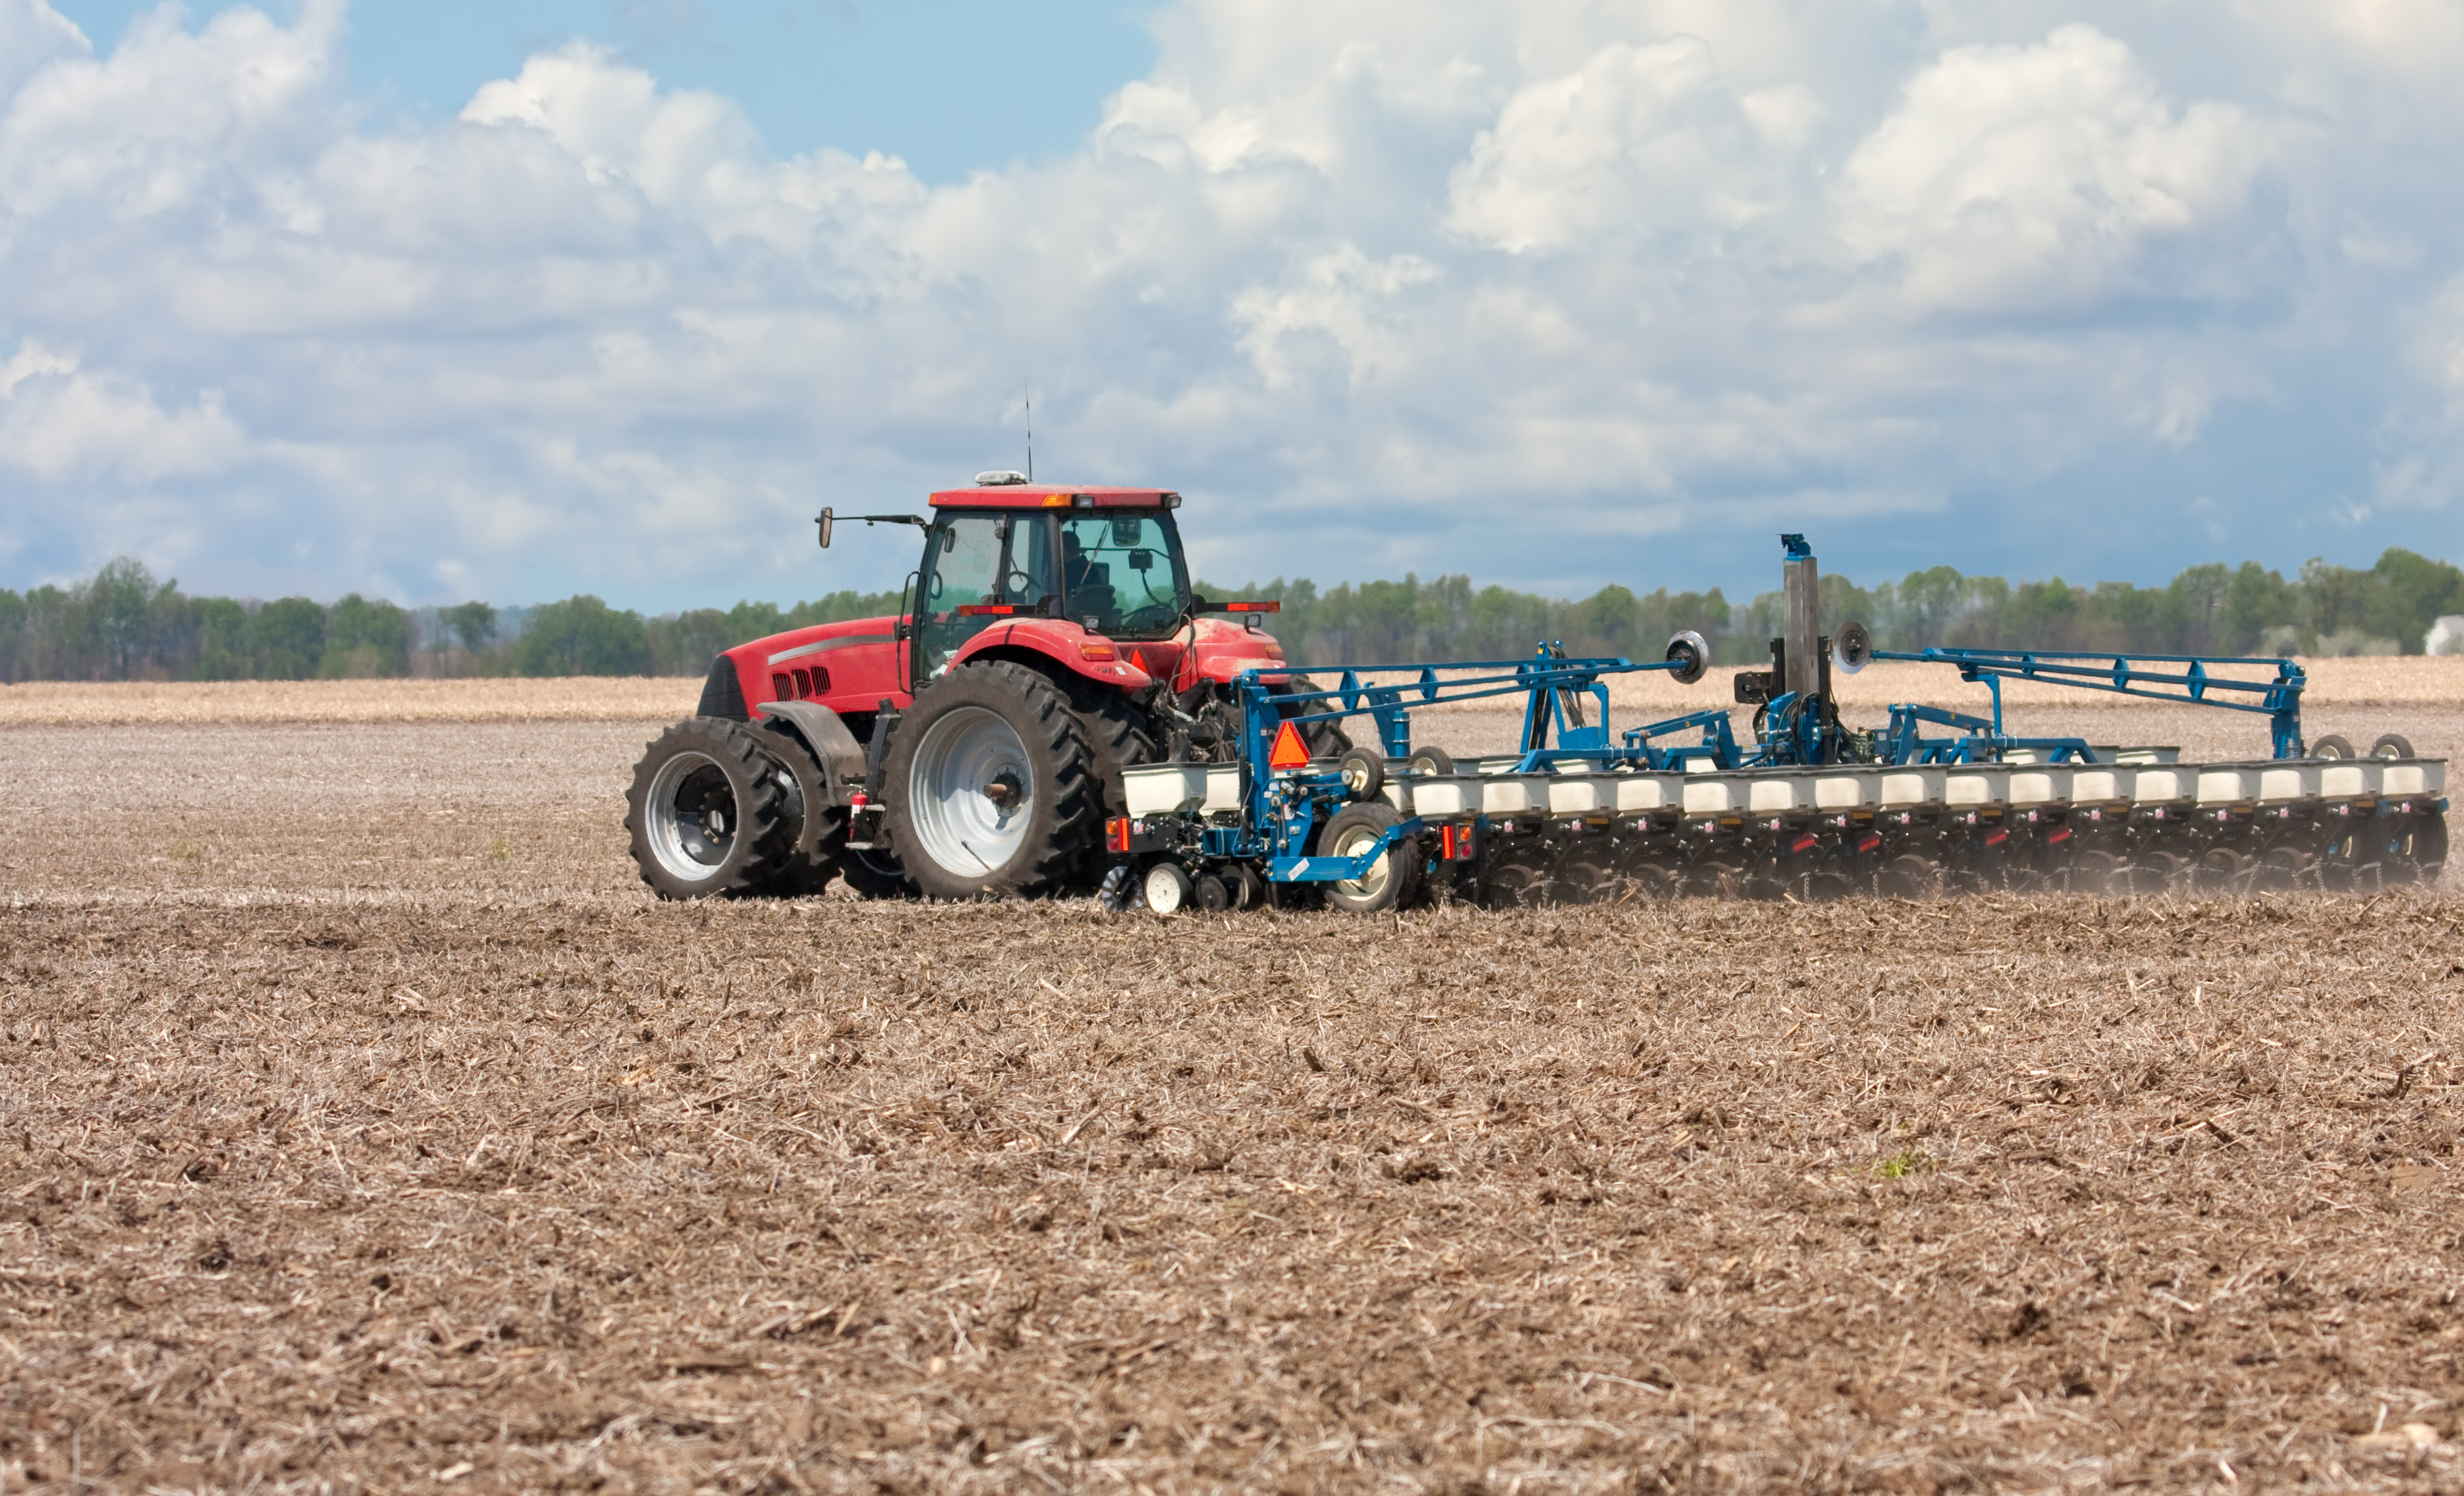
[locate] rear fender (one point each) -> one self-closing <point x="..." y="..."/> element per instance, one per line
<point x="1223" y="650"/>
<point x="1054" y="646"/>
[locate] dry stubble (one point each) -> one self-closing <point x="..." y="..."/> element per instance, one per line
<point x="348" y="1153"/>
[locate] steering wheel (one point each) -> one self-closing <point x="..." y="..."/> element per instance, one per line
<point x="1017" y="585"/>
<point x="1152" y="614"/>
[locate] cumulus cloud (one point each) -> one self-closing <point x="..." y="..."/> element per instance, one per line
<point x="2037" y="176"/>
<point x="1590" y="292"/>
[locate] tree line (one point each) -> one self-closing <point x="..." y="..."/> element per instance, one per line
<point x="123" y="623"/>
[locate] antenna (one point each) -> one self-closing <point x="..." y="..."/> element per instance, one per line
<point x="1030" y="430"/>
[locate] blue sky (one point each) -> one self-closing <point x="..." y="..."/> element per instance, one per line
<point x="447" y="300"/>
<point x="951" y="86"/>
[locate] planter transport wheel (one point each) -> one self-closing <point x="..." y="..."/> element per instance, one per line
<point x="1351" y="832"/>
<point x="1434" y="762"/>
<point x="2333" y="746"/>
<point x="2391" y="745"/>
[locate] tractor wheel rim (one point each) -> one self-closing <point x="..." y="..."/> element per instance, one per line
<point x="967" y="832"/>
<point x="1355" y="842"/>
<point x="691" y="814"/>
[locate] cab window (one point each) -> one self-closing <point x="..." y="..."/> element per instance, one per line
<point x="1123" y="570"/>
<point x="981" y="558"/>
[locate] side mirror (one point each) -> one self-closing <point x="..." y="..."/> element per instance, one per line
<point x="823" y="519"/>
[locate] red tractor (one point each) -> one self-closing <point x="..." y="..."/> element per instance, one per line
<point x="973" y="745"/>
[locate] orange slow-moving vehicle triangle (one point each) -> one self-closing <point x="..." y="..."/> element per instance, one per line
<point x="1289" y="752"/>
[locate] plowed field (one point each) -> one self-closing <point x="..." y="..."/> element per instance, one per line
<point x="363" y="1127"/>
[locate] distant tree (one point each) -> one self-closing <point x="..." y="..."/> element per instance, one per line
<point x="2415" y="592"/>
<point x="120" y="603"/>
<point x="473" y="624"/>
<point x="686" y="644"/>
<point x="223" y="641"/>
<point x="582" y="636"/>
<point x="366" y="640"/>
<point x="287" y="639"/>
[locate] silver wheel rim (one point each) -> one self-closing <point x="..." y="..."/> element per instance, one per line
<point x="967" y="831"/>
<point x="691" y="811"/>
<point x="1354" y="841"/>
<point x="1164" y="889"/>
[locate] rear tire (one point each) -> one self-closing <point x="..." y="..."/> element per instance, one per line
<point x="708" y="811"/>
<point x="993" y="786"/>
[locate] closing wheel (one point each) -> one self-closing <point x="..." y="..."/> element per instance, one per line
<point x="2391" y="745"/>
<point x="1586" y="875"/>
<point x="2281" y="869"/>
<point x="1249" y="889"/>
<point x="1167" y="887"/>
<point x="1364" y="773"/>
<point x="1517" y="879"/>
<point x="1213" y="895"/>
<point x="2157" y="871"/>
<point x="708" y="811"/>
<point x="2220" y="870"/>
<point x="1351" y="832"/>
<point x="2092" y="870"/>
<point x="2333" y="746"/>
<point x="1910" y="875"/>
<point x="992" y="786"/>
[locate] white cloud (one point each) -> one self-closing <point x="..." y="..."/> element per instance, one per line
<point x="59" y="422"/>
<point x="2036" y="176"/>
<point x="1639" y="144"/>
<point x="1556" y="294"/>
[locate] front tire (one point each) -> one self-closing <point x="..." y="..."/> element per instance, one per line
<point x="993" y="789"/>
<point x="708" y="812"/>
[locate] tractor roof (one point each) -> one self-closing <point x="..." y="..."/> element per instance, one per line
<point x="1054" y="495"/>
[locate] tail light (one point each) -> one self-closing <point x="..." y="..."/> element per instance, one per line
<point x="1253" y="607"/>
<point x="2058" y="835"/>
<point x="1996" y="837"/>
<point x="1867" y="842"/>
<point x="1803" y="844"/>
<point x="1097" y="650"/>
<point x="1454" y="842"/>
<point x="1116" y="835"/>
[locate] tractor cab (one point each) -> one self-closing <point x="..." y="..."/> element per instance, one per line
<point x="1109" y="560"/>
